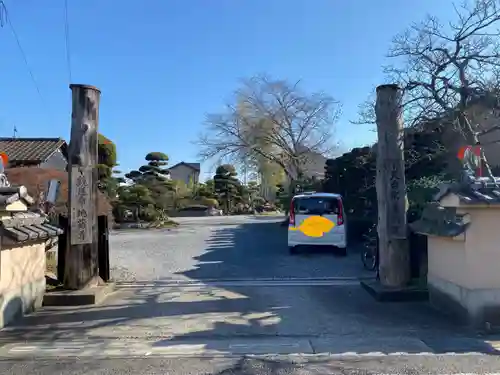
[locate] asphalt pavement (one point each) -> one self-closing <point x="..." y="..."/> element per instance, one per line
<point x="401" y="365"/>
<point x="222" y="295"/>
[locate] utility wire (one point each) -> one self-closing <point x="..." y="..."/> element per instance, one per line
<point x="3" y="10"/>
<point x="5" y="20"/>
<point x="66" y="37"/>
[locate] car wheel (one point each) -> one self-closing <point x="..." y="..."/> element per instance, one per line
<point x="292" y="250"/>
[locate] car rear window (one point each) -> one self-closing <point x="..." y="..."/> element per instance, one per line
<point x="316" y="206"/>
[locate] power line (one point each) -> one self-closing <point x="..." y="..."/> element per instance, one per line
<point x="2" y="14"/>
<point x="66" y="37"/>
<point x="5" y="19"/>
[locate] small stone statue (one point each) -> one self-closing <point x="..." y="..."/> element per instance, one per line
<point x="467" y="176"/>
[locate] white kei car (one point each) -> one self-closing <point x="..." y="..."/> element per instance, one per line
<point x="326" y="205"/>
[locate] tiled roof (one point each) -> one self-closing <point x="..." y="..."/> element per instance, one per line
<point x="30" y="150"/>
<point x="32" y="232"/>
<point x="195" y="166"/>
<point x="28" y="226"/>
<point x="11" y="194"/>
<point x="24" y="226"/>
<point x="481" y="191"/>
<point x="480" y="196"/>
<point x="441" y="221"/>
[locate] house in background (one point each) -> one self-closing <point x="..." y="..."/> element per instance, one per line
<point x="35" y="152"/>
<point x="313" y="165"/>
<point x="189" y="173"/>
<point x="36" y="180"/>
<point x="47" y="158"/>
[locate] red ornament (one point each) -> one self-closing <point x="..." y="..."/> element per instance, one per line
<point x="471" y="154"/>
<point x="5" y="159"/>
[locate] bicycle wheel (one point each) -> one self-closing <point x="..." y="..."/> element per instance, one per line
<point x="369" y="259"/>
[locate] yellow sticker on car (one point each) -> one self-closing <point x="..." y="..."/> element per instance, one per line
<point x="315" y="226"/>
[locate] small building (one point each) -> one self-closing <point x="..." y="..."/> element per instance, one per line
<point x="312" y="167"/>
<point x="185" y="172"/>
<point x="25" y="236"/>
<point x="36" y="180"/>
<point x="312" y="164"/>
<point x="33" y="162"/>
<point x="35" y="152"/>
<point x="463" y="240"/>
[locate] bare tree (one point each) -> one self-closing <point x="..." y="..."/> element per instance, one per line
<point x="272" y="120"/>
<point x="444" y="71"/>
<point x="448" y="73"/>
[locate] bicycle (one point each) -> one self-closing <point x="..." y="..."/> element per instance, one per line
<point x="370" y="254"/>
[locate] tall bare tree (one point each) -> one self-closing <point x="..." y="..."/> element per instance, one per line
<point x="272" y="120"/>
<point x="444" y="69"/>
<point x="450" y="72"/>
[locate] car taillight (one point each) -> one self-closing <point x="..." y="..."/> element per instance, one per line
<point x="340" y="215"/>
<point x="292" y="214"/>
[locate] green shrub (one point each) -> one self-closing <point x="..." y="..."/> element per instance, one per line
<point x="210" y="202"/>
<point x="420" y="192"/>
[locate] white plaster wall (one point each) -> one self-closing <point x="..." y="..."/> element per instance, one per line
<point x="22" y="280"/>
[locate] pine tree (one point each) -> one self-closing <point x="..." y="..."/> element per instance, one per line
<point x="226" y="185"/>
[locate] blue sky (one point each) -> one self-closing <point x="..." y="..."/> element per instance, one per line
<point x="163" y="64"/>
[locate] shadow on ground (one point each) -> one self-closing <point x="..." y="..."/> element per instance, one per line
<point x="320" y="318"/>
<point x="259" y="250"/>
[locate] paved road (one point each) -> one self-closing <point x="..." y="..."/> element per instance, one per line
<point x="224" y="295"/>
<point x="255" y="366"/>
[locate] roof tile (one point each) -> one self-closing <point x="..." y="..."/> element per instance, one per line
<point x="32" y="150"/>
<point x="479" y="191"/>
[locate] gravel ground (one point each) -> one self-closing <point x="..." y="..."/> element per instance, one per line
<point x="220" y="248"/>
